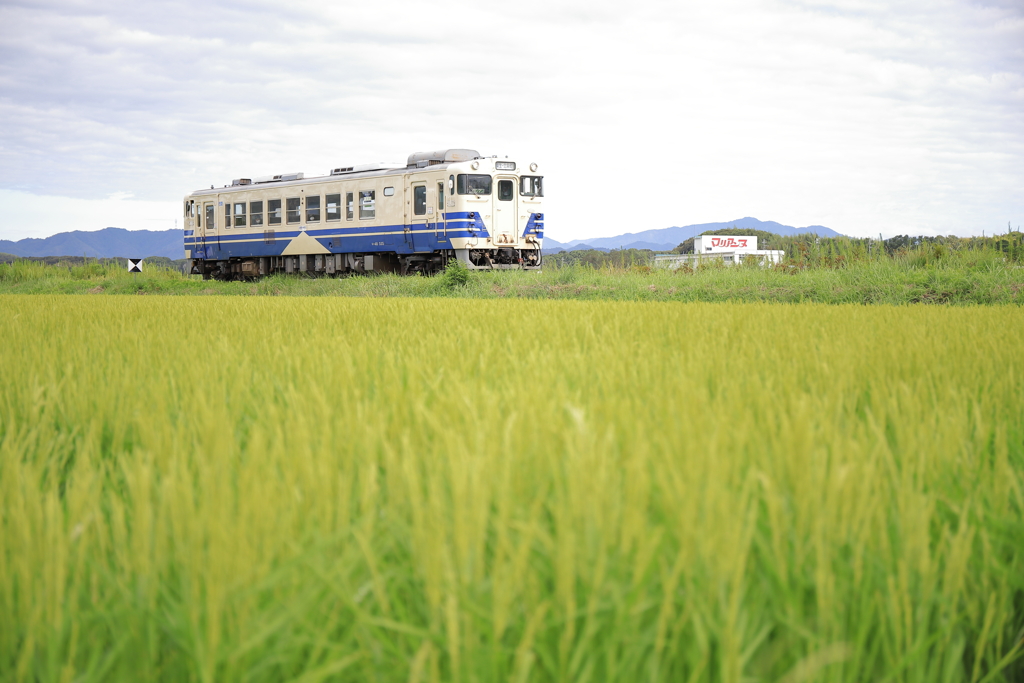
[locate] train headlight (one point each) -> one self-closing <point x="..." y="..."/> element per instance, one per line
<point x="533" y="167"/>
<point x="475" y="165"/>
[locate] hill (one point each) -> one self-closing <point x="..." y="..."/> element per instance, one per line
<point x="666" y="239"/>
<point x="106" y="243"/>
<point x="118" y="242"/>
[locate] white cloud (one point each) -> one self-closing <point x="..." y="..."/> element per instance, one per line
<point x="31" y="215"/>
<point x="855" y="115"/>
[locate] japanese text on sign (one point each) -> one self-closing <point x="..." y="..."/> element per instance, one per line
<point x="728" y="242"/>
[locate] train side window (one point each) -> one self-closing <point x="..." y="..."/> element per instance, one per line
<point x="532" y="186"/>
<point x="227" y="214"/>
<point x="367" y="204"/>
<point x="506" y="190"/>
<point x="333" y="207"/>
<point x="274" y="209"/>
<point x="313" y="209"/>
<point x="255" y="214"/>
<point x="239" y="214"/>
<point x="349" y="206"/>
<point x="294" y="212"/>
<point x="419" y="200"/>
<point x="474" y="184"/>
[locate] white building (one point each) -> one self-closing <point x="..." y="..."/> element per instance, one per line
<point x="727" y="249"/>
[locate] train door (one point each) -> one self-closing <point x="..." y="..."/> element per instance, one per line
<point x="440" y="233"/>
<point x="506" y="212"/>
<point x="208" y="227"/>
<point x="419" y="220"/>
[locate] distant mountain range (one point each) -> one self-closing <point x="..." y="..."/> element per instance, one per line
<point x="106" y="243"/>
<point x="118" y="242"/>
<point x="666" y="239"/>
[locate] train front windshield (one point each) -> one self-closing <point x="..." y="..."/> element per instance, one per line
<point x="474" y="183"/>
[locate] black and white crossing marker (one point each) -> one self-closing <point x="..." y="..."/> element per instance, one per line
<point x="134" y="265"/>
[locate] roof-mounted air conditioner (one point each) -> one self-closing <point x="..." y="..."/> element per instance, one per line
<point x="278" y="178"/>
<point x="364" y="168"/>
<point x="441" y="156"/>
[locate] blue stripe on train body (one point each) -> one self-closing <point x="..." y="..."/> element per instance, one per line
<point x="402" y="239"/>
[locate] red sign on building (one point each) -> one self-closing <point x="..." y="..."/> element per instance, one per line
<point x="729" y="242"/>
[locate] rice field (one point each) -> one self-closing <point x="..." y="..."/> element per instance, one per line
<point x="364" y="489"/>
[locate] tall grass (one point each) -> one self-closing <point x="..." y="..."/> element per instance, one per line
<point x="964" y="278"/>
<point x="234" y="488"/>
<point x="72" y="275"/>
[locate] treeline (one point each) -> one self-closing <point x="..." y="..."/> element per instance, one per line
<point x="919" y="250"/>
<point x="616" y="258"/>
<point x="810" y="250"/>
<point x="813" y="247"/>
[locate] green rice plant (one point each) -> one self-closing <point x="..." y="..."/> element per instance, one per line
<point x="351" y="489"/>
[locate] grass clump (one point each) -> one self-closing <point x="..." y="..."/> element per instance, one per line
<point x="454" y="276"/>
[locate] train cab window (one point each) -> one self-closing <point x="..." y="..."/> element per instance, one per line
<point x="294" y="210"/>
<point x="419" y="200"/>
<point x="474" y="183"/>
<point x="440" y="196"/>
<point x="239" y="214"/>
<point x="367" y="204"/>
<point x="333" y="202"/>
<point x="506" y="190"/>
<point x="274" y="212"/>
<point x="451" y="184"/>
<point x="313" y="209"/>
<point x="255" y="214"/>
<point x="349" y="207"/>
<point x="531" y="186"/>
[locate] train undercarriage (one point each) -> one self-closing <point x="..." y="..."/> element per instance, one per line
<point x="339" y="265"/>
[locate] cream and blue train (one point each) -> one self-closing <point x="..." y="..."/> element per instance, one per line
<point x="451" y="204"/>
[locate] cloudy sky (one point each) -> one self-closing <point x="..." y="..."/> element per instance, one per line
<point x="866" y="117"/>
